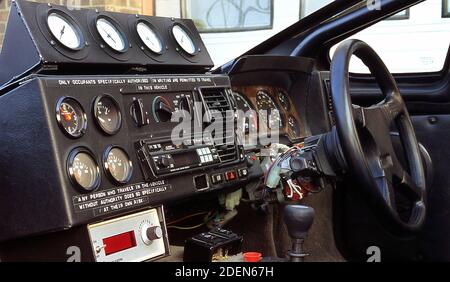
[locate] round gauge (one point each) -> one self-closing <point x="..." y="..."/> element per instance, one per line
<point x="65" y="31"/>
<point x="284" y="101"/>
<point x="107" y="114"/>
<point x="249" y="123"/>
<point x="83" y="170"/>
<point x="118" y="165"/>
<point x="150" y="38"/>
<point x="111" y="34"/>
<point x="293" y="126"/>
<point x="268" y="111"/>
<point x="71" y="117"/>
<point x="183" y="39"/>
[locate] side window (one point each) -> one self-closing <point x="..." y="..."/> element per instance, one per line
<point x="446" y="8"/>
<point x="413" y="41"/>
<point x="229" y="15"/>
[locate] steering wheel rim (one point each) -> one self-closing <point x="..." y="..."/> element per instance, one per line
<point x="364" y="135"/>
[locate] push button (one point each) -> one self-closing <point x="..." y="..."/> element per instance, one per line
<point x="230" y="175"/>
<point x="217" y="178"/>
<point x="242" y="173"/>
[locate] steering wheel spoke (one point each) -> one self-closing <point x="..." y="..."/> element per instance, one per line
<point x="406" y="186"/>
<point x="392" y="107"/>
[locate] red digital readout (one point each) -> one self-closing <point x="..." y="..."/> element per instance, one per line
<point x="120" y="242"/>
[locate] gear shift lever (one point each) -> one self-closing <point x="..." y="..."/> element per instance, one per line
<point x="298" y="220"/>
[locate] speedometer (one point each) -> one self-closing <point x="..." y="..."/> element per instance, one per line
<point x="268" y="111"/>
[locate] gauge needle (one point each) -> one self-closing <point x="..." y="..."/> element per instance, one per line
<point x="109" y="36"/>
<point x="115" y="43"/>
<point x="102" y="120"/>
<point x="151" y="42"/>
<point x="62" y="32"/>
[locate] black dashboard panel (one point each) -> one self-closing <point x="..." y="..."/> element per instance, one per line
<point x="37" y="188"/>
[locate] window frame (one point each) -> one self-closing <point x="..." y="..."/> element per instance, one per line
<point x="183" y="6"/>
<point x="445" y="6"/>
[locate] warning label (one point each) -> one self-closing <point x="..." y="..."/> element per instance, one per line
<point x="115" y="199"/>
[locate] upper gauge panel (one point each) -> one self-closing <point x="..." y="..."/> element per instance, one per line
<point x="46" y="37"/>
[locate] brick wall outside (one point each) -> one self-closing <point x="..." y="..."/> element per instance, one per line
<point x="123" y="6"/>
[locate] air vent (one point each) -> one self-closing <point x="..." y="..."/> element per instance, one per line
<point x="227" y="149"/>
<point x="216" y="99"/>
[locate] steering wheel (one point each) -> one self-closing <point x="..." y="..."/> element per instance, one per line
<point x="365" y="137"/>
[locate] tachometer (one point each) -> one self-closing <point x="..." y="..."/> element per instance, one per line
<point x="107" y="114"/>
<point x="118" y="165"/>
<point x="71" y="117"/>
<point x="268" y="111"/>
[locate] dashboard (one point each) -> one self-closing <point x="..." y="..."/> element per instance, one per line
<point x="110" y="116"/>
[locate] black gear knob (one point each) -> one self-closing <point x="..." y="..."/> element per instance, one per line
<point x="298" y="220"/>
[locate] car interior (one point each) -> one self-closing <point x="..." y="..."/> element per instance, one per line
<point x="121" y="140"/>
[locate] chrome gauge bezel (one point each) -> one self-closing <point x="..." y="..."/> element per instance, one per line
<point x="117" y="109"/>
<point x="107" y="168"/>
<point x="73" y="154"/>
<point x="82" y="130"/>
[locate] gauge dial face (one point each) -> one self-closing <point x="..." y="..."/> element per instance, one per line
<point x="118" y="165"/>
<point x="149" y="37"/>
<point x="107" y="114"/>
<point x="249" y="121"/>
<point x="64" y="31"/>
<point x="84" y="171"/>
<point x="183" y="39"/>
<point x="284" y="101"/>
<point x="268" y="111"/>
<point x="293" y="126"/>
<point x="111" y="35"/>
<point x="71" y="117"/>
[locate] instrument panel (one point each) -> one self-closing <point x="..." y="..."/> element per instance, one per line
<point x="272" y="108"/>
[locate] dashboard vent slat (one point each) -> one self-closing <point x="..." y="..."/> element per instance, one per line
<point x="215" y="99"/>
